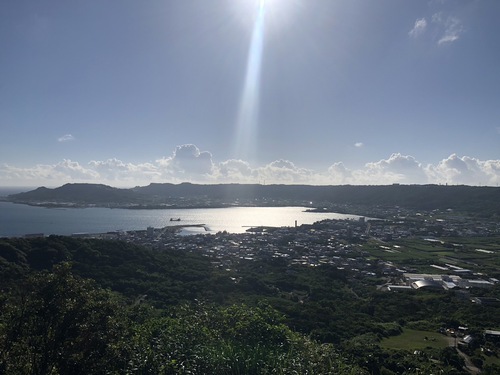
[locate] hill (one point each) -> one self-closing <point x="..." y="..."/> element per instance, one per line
<point x="483" y="201"/>
<point x="54" y="319"/>
<point x="123" y="308"/>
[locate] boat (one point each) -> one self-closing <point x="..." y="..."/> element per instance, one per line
<point x="175" y="219"/>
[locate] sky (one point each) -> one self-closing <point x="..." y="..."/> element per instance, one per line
<point x="127" y="92"/>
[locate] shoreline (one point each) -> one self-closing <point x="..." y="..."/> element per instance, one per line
<point x="131" y="206"/>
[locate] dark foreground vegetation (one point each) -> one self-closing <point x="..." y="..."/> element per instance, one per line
<point x="84" y="306"/>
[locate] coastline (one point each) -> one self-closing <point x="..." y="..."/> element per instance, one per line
<point x="142" y="206"/>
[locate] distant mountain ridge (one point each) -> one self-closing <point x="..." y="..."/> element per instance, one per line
<point x="480" y="200"/>
<point x="76" y="193"/>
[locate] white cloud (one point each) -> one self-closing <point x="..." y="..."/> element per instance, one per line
<point x="419" y="28"/>
<point x="402" y="163"/>
<point x="66" y="138"/>
<point x="339" y="174"/>
<point x="406" y="169"/>
<point x="450" y="28"/>
<point x="442" y="28"/>
<point x="66" y="170"/>
<point x="466" y="170"/>
<point x="236" y="170"/>
<point x="285" y="172"/>
<point x="397" y="168"/>
<point x="116" y="170"/>
<point x="358" y="144"/>
<point x="188" y="163"/>
<point x="74" y="170"/>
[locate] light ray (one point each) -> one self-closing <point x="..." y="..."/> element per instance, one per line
<point x="248" y="115"/>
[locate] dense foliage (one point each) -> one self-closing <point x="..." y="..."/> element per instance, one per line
<point x="56" y="323"/>
<point x="91" y="306"/>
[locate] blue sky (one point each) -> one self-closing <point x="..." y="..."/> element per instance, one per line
<point x="129" y="92"/>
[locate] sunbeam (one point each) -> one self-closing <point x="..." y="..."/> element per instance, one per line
<point x="248" y="115"/>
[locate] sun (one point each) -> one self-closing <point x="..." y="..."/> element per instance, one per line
<point x="269" y="3"/>
<point x="262" y="3"/>
<point x="273" y="6"/>
<point x="276" y="12"/>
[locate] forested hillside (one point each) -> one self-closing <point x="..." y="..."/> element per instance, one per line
<point x="59" y="322"/>
<point x="80" y="306"/>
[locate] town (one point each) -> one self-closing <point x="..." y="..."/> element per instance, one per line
<point x="393" y="256"/>
<point x="405" y="251"/>
<point x="365" y="247"/>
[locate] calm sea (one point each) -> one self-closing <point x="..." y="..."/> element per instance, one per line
<point x="18" y="219"/>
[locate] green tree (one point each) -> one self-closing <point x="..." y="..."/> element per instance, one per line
<point x="55" y="323"/>
<point x="206" y="339"/>
<point x="450" y="357"/>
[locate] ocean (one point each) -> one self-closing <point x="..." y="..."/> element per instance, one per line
<point x="19" y="220"/>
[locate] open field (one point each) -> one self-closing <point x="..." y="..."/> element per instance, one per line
<point x="412" y="339"/>
<point x="491" y="360"/>
<point x="480" y="254"/>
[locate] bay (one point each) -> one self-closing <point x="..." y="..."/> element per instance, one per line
<point x="19" y="220"/>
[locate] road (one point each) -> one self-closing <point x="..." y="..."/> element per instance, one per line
<point x="469" y="366"/>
